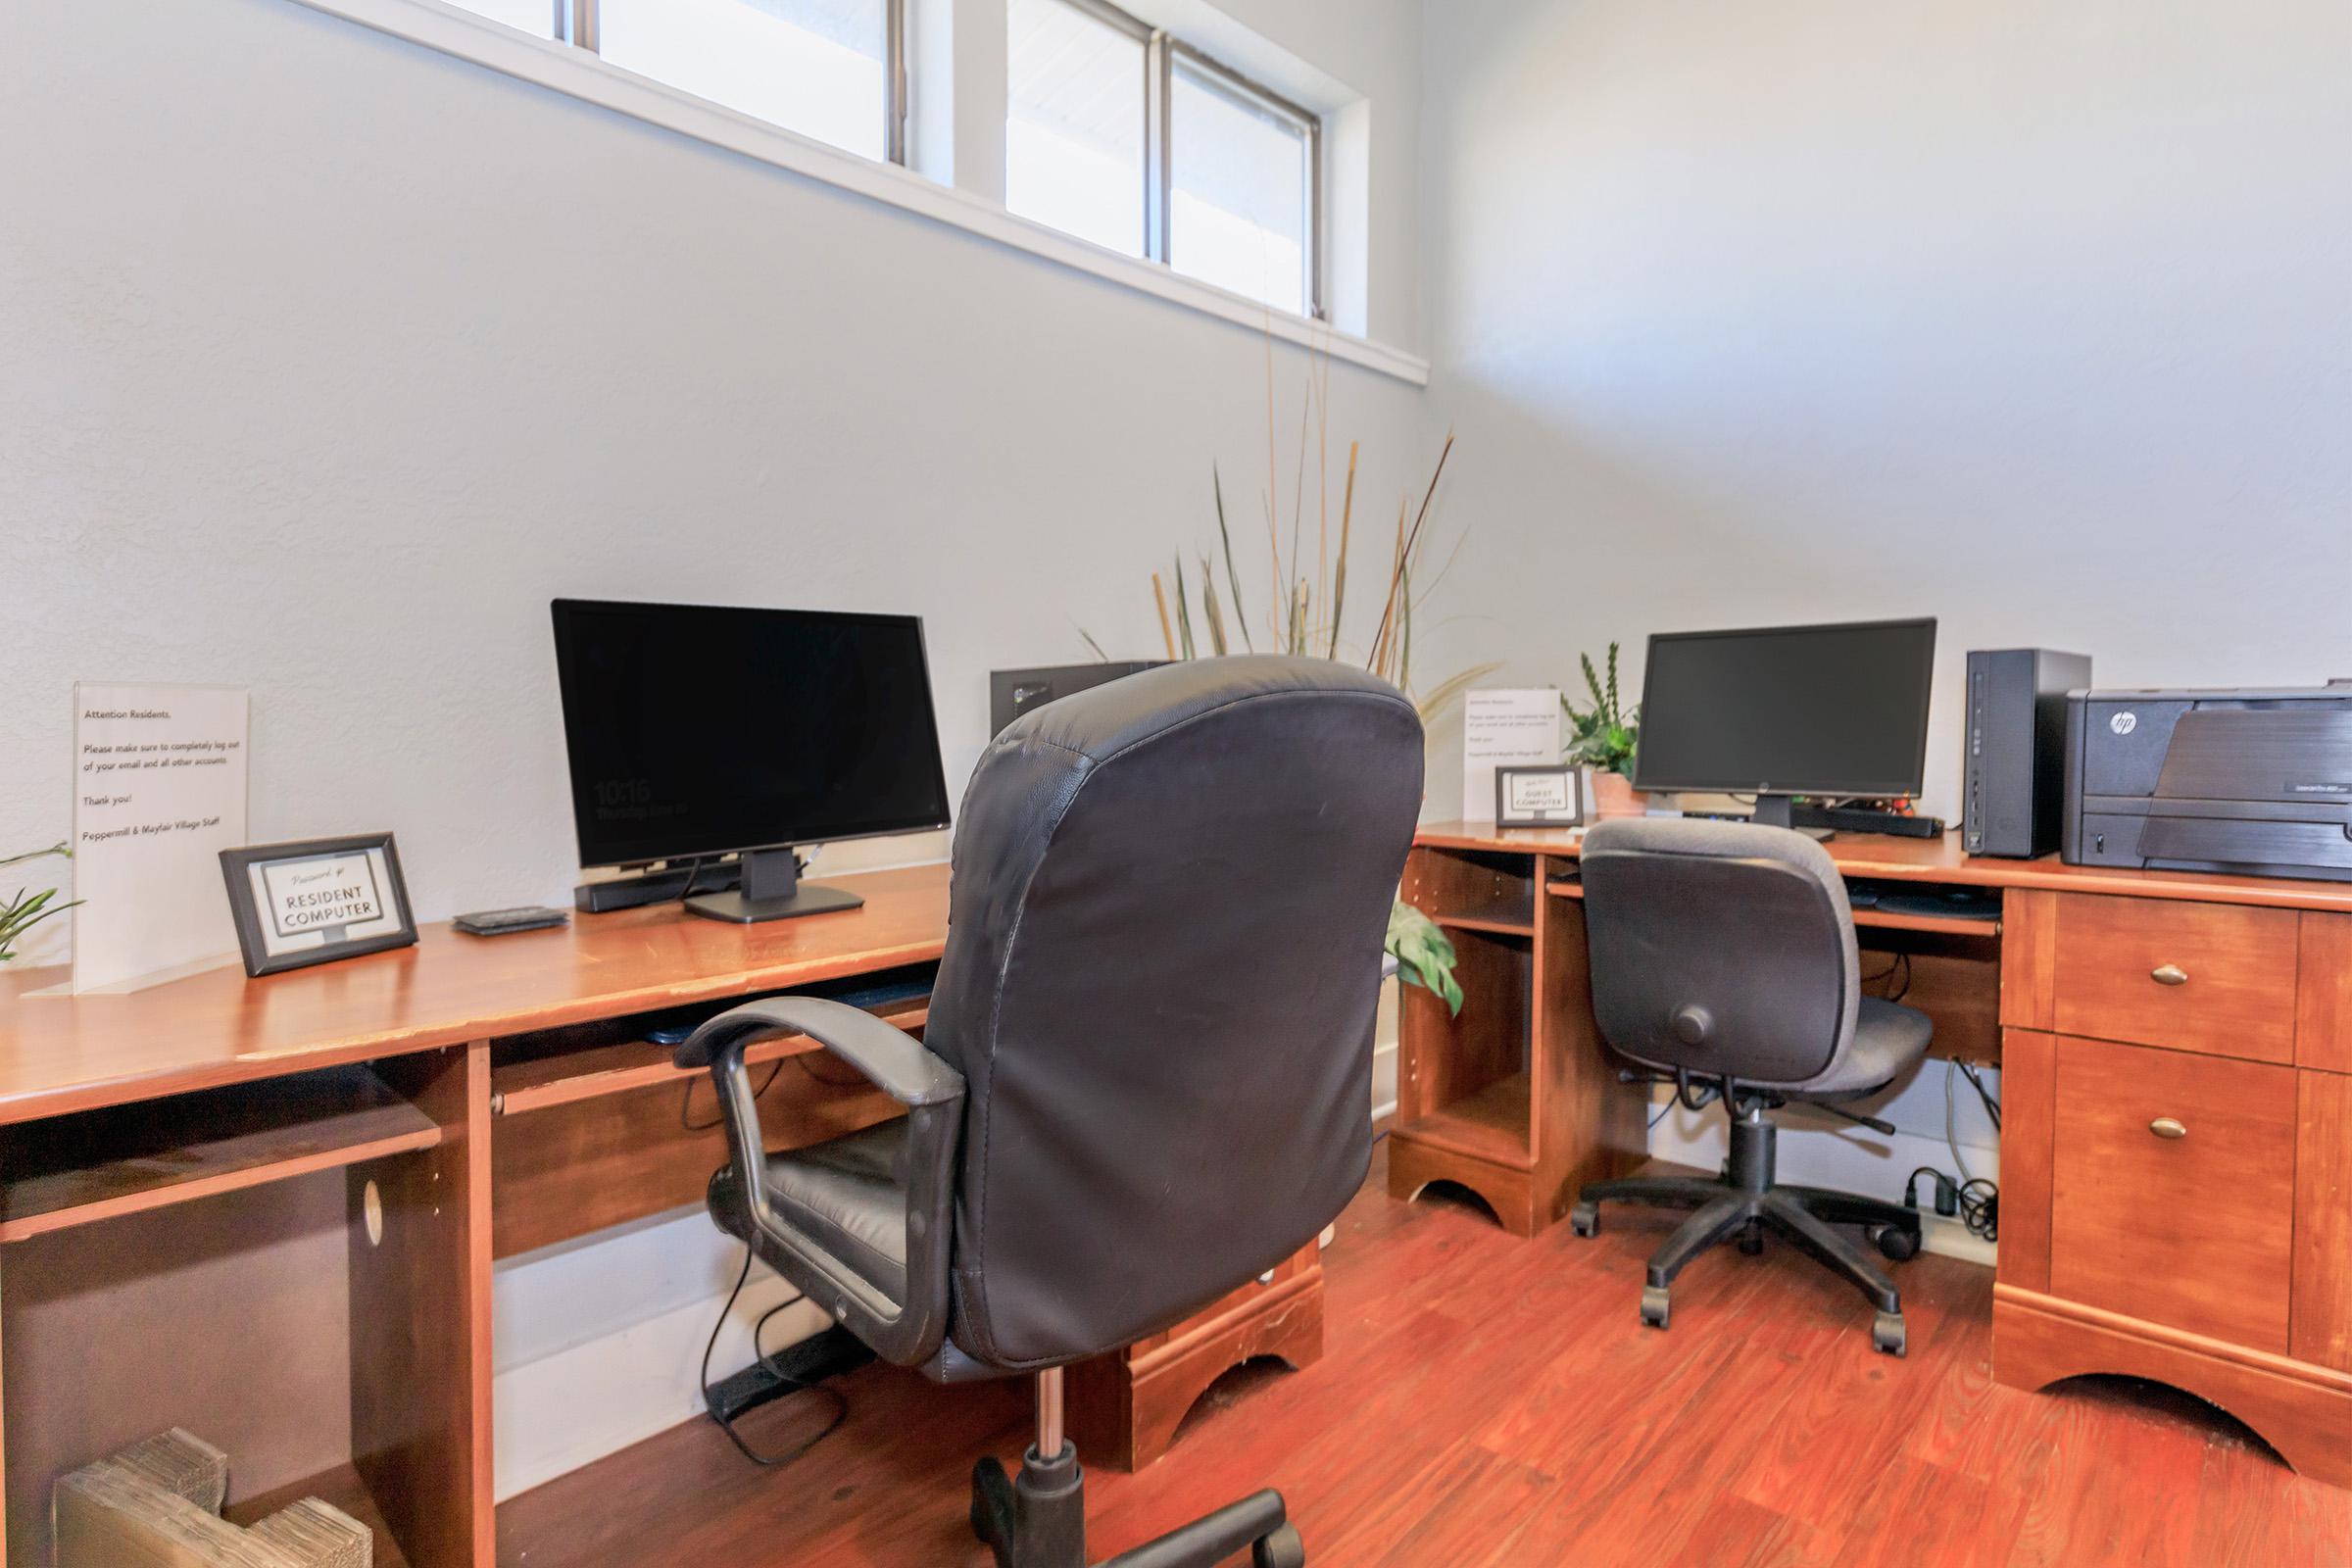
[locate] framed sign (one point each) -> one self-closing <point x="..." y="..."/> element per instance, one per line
<point x="1549" y="796"/>
<point x="316" y="901"/>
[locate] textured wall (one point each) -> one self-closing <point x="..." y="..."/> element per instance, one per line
<point x="2035" y="317"/>
<point x="329" y="359"/>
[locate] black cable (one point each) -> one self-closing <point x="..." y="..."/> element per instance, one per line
<point x="841" y="1405"/>
<point x="1977" y="1202"/>
<point x="686" y="1107"/>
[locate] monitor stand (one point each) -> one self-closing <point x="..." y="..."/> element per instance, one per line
<point x="1778" y="811"/>
<point x="772" y="890"/>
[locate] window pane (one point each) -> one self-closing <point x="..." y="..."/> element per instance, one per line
<point x="1074" y="124"/>
<point x="534" y="17"/>
<point x="811" y="66"/>
<point x="1241" y="192"/>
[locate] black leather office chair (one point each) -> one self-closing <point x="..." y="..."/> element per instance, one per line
<point x="1722" y="960"/>
<point x="1147" y="1075"/>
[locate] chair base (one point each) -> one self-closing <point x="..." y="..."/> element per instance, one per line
<point x="1038" y="1520"/>
<point x="1745" y="1204"/>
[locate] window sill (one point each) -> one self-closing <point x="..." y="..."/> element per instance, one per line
<point x="582" y="76"/>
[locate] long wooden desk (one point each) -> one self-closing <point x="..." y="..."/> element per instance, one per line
<point x="267" y="1209"/>
<point x="2176" y="1099"/>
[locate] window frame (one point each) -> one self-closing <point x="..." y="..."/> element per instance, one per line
<point x="577" y="22"/>
<point x="1161" y="48"/>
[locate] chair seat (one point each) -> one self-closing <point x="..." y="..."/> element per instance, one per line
<point x="850" y="1195"/>
<point x="1889" y="1038"/>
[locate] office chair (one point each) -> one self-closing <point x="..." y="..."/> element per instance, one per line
<point x="1147" y="1075"/>
<point x="1723" y="962"/>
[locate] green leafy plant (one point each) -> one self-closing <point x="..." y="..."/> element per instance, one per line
<point x="27" y="909"/>
<point x="1605" y="735"/>
<point x="1424" y="953"/>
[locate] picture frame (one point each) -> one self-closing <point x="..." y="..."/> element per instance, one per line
<point x="315" y="900"/>
<point x="1551" y="795"/>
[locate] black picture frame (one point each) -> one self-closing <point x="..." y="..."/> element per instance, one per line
<point x="269" y="949"/>
<point x="1570" y="816"/>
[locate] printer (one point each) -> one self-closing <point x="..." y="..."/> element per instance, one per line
<point x="2256" y="782"/>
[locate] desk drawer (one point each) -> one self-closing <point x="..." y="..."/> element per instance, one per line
<point x="2173" y="1189"/>
<point x="2218" y="978"/>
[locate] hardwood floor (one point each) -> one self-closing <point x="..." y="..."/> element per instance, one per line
<point x="1485" y="1401"/>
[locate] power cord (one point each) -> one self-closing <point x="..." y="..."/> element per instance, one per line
<point x="1976" y="1202"/>
<point x="841" y="1405"/>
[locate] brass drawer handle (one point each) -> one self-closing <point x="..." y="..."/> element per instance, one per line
<point x="2169" y="974"/>
<point x="2167" y="1127"/>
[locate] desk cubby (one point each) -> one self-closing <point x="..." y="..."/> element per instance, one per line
<point x="1516" y="1100"/>
<point x="280" y="1267"/>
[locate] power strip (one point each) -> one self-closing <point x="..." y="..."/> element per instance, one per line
<point x="815" y="1360"/>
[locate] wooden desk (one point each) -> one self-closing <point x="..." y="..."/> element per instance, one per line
<point x="2213" y="1251"/>
<point x="267" y="1209"/>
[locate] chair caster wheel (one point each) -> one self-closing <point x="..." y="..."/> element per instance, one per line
<point x="1894" y="1243"/>
<point x="1886" y="1334"/>
<point x="1656" y="1306"/>
<point x="1585" y="1219"/>
<point x="1280" y="1549"/>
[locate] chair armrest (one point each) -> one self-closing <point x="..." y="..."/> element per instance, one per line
<point x="891" y="1060"/>
<point x="910" y="1332"/>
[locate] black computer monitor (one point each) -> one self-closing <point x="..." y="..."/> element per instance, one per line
<point x="1817" y="710"/>
<point x="695" y="731"/>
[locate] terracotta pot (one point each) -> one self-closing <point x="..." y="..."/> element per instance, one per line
<point x="1614" y="794"/>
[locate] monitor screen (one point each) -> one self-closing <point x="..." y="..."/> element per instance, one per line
<point x="696" y="730"/>
<point x="1788" y="710"/>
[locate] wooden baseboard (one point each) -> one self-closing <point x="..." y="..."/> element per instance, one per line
<point x="1124" y="1409"/>
<point x="2301" y="1411"/>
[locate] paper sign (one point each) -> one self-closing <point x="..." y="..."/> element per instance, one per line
<point x="1504" y="729"/>
<point x="158" y="792"/>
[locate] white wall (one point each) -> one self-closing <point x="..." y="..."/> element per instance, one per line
<point x="2034" y="318"/>
<point x="331" y="359"/>
<point x="326" y="361"/>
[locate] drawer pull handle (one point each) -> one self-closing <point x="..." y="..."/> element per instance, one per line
<point x="2169" y="974"/>
<point x="2167" y="1127"/>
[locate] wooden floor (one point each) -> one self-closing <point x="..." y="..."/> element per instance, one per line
<point x="1488" y="1400"/>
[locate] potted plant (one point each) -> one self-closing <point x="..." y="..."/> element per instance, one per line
<point x="1424" y="955"/>
<point x="27" y="909"/>
<point x="1604" y="739"/>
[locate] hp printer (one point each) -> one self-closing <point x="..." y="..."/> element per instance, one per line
<point x="2258" y="782"/>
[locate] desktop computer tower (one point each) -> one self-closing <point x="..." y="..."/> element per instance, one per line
<point x="1015" y="692"/>
<point x="2014" y="785"/>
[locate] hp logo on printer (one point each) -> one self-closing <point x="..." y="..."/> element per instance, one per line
<point x="2124" y="724"/>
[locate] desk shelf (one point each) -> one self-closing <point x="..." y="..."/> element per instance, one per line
<point x="1501" y="919"/>
<point x="289" y="1270"/>
<point x="565" y="1077"/>
<point x="1866" y="919"/>
<point x="1492" y="1124"/>
<point x="105" y="1164"/>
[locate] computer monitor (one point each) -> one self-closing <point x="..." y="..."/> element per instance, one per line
<point x="695" y="731"/>
<point x="1817" y="710"/>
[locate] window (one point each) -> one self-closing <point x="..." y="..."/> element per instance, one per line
<point x="817" y="67"/>
<point x="1123" y="135"/>
<point x="827" y="68"/>
<point x="1074" y="122"/>
<point x="535" y="16"/>
<point x="1242" y="185"/>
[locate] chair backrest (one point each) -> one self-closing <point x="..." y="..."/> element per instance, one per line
<point x="1169" y="898"/>
<point x="1720" y="948"/>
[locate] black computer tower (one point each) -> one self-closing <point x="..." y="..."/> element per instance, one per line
<point x="1015" y="692"/>
<point x="2013" y="794"/>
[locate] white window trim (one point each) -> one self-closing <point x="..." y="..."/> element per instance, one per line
<point x="582" y="75"/>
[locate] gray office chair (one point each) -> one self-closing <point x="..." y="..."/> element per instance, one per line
<point x="1147" y="1075"/>
<point x="1723" y="962"/>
